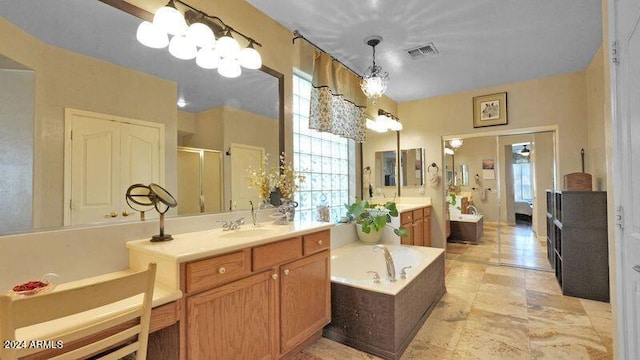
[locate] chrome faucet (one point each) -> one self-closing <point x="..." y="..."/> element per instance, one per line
<point x="391" y="267"/>
<point x="473" y="210"/>
<point x="254" y="213"/>
<point x="235" y="224"/>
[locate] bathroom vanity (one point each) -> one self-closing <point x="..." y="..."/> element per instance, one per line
<point x="254" y="293"/>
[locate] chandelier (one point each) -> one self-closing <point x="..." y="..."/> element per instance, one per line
<point x="455" y="143"/>
<point x="374" y="81"/>
<point x="193" y="37"/>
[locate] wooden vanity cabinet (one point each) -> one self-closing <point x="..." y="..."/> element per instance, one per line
<point x="267" y="301"/>
<point x="418" y="224"/>
<point x="305" y="299"/>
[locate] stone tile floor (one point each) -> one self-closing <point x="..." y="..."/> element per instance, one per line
<point x="498" y="312"/>
<point x="494" y="312"/>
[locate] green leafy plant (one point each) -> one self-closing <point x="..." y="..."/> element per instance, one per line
<point x="451" y="199"/>
<point x="374" y="217"/>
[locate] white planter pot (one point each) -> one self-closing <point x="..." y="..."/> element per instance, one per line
<point x="372" y="237"/>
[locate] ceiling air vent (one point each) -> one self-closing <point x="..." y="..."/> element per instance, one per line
<point x="423" y="51"/>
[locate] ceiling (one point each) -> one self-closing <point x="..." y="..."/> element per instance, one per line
<point x="480" y="43"/>
<point x="101" y="31"/>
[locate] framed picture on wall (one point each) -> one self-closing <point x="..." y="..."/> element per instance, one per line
<point x="490" y="110"/>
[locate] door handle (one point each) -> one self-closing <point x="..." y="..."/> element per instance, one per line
<point x="111" y="214"/>
<point x="126" y="213"/>
<point x="637" y="268"/>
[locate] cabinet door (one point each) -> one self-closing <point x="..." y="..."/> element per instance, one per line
<point x="426" y="232"/>
<point x="305" y="299"/>
<point x="234" y="321"/>
<point x="409" y="239"/>
<point x="418" y="232"/>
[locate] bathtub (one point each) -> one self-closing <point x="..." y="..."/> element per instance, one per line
<point x="466" y="227"/>
<point x="382" y="319"/>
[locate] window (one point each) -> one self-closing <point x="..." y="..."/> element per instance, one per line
<point x="522" y="179"/>
<point x="326" y="160"/>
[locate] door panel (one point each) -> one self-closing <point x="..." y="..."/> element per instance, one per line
<point x="624" y="15"/>
<point x="140" y="155"/>
<point x="95" y="170"/>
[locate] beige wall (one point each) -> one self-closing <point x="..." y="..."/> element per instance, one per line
<point x="218" y="128"/>
<point x="595" y="154"/>
<point x="557" y="100"/>
<point x="65" y="79"/>
<point x="16" y="149"/>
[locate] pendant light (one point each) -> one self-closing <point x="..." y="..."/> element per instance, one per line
<point x="150" y="35"/>
<point x="250" y="58"/>
<point x="374" y="82"/>
<point x="455" y="143"/>
<point x="170" y="20"/>
<point x="525" y="151"/>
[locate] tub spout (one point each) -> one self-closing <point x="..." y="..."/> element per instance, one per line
<point x="391" y="268"/>
<point x="473" y="210"/>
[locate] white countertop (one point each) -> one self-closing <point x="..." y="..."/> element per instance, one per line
<point x="410" y="207"/>
<point x="201" y="244"/>
<point x="50" y="329"/>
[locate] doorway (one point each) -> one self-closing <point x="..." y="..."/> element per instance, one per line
<point x="496" y="197"/>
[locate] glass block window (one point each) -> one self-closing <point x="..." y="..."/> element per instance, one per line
<point x="326" y="160"/>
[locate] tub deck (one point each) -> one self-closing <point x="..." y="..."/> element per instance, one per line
<point x="384" y="324"/>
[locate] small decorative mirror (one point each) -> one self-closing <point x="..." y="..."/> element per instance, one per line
<point x="152" y="196"/>
<point x="412" y="167"/>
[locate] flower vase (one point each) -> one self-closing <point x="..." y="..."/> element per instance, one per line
<point x="373" y="237"/>
<point x="288" y="207"/>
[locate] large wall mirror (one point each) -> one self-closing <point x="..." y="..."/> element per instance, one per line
<point x="58" y="55"/>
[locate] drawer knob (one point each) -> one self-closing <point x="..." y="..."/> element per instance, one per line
<point x="320" y="242"/>
<point x="275" y="276"/>
<point x="286" y="271"/>
<point x="222" y="270"/>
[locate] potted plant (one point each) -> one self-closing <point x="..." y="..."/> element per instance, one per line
<point x="371" y="219"/>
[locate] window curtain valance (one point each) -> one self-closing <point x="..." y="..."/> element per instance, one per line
<point x="337" y="103"/>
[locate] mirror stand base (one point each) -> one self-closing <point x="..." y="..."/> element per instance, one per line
<point x="161" y="237"/>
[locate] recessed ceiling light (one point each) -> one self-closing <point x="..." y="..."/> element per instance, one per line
<point x="181" y="103"/>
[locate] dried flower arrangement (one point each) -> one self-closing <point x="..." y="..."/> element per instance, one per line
<point x="283" y="178"/>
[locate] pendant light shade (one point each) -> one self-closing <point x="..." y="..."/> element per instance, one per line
<point x="374" y="81"/>
<point x="201" y="35"/>
<point x="208" y="58"/>
<point x="229" y="67"/>
<point x="250" y="58"/>
<point x="182" y="48"/>
<point x="170" y="20"/>
<point x="228" y="46"/>
<point x="525" y="151"/>
<point x="152" y="36"/>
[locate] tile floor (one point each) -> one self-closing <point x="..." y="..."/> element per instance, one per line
<point x="498" y="312"/>
<point x="519" y="247"/>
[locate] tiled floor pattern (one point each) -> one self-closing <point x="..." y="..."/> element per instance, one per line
<point x="519" y="247"/>
<point x="495" y="312"/>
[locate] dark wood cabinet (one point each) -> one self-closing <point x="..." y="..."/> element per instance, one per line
<point x="577" y="242"/>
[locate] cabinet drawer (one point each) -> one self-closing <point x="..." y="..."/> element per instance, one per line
<point x="209" y="273"/>
<point x="314" y="243"/>
<point x="267" y="256"/>
<point x="417" y="214"/>
<point x="406" y="217"/>
<point x="427" y="211"/>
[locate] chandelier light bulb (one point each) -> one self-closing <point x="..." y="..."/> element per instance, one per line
<point x="208" y="58"/>
<point x="229" y="67"/>
<point x="152" y="36"/>
<point x="250" y="58"/>
<point x="201" y="35"/>
<point x="182" y="48"/>
<point x="228" y="46"/>
<point x="170" y="20"/>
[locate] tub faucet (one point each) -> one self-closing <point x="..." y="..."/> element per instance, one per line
<point x="235" y="224"/>
<point x="473" y="210"/>
<point x="391" y="267"/>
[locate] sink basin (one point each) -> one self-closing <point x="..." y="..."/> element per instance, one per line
<point x="250" y="232"/>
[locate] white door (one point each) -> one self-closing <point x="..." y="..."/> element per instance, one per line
<point x="624" y="15"/>
<point x="244" y="157"/>
<point x="95" y="170"/>
<point x="104" y="155"/>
